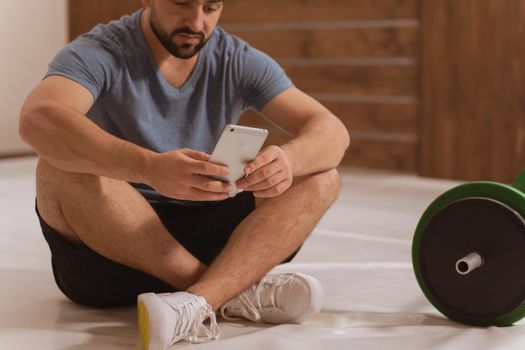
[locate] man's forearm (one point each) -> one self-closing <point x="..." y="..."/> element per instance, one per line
<point x="319" y="146"/>
<point x="70" y="141"/>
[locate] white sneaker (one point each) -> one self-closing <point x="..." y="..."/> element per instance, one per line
<point x="165" y="319"/>
<point x="277" y="299"/>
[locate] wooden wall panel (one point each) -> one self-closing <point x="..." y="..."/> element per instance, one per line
<point x="399" y="119"/>
<point x="351" y="42"/>
<point x="385" y="154"/>
<point x="377" y="117"/>
<point x="314" y="10"/>
<point x="85" y="14"/>
<point x="473" y="88"/>
<point x="355" y="57"/>
<point x="353" y="80"/>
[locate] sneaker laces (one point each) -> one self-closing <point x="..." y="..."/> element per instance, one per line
<point x="191" y="317"/>
<point x="248" y="308"/>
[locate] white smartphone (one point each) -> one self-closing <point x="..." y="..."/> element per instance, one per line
<point x="237" y="146"/>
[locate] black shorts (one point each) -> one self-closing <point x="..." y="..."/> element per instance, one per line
<point x="89" y="278"/>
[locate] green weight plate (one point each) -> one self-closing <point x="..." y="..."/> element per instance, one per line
<point x="470" y="225"/>
<point x="489" y="206"/>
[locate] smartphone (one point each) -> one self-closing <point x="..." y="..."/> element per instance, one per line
<point x="237" y="146"/>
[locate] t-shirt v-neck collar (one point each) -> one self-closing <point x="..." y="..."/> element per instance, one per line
<point x="189" y="84"/>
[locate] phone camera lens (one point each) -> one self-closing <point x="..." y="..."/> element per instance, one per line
<point x="232" y="130"/>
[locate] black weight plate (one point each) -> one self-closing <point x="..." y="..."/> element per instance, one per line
<point x="465" y="226"/>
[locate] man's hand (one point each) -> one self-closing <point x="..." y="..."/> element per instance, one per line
<point x="269" y="174"/>
<point x="185" y="174"/>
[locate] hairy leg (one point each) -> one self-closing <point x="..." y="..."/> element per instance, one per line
<point x="113" y="219"/>
<point x="270" y="234"/>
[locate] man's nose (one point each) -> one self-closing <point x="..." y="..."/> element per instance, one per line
<point x="195" y="19"/>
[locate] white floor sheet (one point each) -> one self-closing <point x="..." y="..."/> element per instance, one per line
<point x="360" y="251"/>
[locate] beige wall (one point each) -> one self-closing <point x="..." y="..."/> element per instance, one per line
<point x="31" y="32"/>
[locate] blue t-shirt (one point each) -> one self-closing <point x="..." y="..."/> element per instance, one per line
<point x="134" y="102"/>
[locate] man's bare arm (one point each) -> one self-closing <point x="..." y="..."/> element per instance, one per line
<point x="319" y="143"/>
<point x="320" y="139"/>
<point x="54" y="123"/>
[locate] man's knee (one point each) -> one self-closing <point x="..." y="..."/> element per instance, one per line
<point x="51" y="178"/>
<point x="321" y="188"/>
<point x="327" y="185"/>
<point x="57" y="190"/>
<point x="50" y="183"/>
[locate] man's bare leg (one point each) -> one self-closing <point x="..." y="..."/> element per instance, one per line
<point x="113" y="219"/>
<point x="267" y="236"/>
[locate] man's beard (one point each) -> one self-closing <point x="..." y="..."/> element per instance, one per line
<point x="183" y="51"/>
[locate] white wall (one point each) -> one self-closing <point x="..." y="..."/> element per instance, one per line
<point x="31" y="32"/>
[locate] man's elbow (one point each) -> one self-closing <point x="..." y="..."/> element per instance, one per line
<point x="346" y="138"/>
<point x="26" y="125"/>
<point x="343" y="134"/>
<point x="31" y="123"/>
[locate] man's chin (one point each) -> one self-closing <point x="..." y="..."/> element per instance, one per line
<point x="185" y="55"/>
<point x="184" y="52"/>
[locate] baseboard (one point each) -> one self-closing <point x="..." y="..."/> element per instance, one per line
<point x="9" y="155"/>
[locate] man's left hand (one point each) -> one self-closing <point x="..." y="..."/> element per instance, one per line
<point x="269" y="174"/>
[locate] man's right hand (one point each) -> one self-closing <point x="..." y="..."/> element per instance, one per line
<point x="185" y="174"/>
